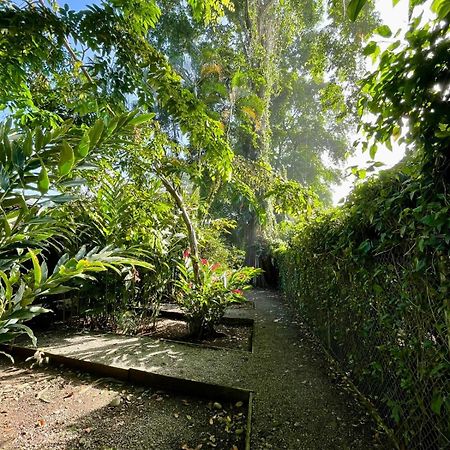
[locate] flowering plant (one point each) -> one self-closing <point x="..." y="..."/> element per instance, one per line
<point x="204" y="298"/>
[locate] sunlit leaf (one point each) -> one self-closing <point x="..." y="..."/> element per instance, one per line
<point x="66" y="159"/>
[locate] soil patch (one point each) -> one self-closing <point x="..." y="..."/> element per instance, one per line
<point x="237" y="337"/>
<point x="228" y="336"/>
<point x="46" y="408"/>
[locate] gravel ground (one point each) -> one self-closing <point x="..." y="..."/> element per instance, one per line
<point x="299" y="402"/>
<point x="58" y="409"/>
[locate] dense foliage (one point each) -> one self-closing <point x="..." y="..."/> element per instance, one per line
<point x="36" y="177"/>
<point x="98" y="89"/>
<point x="372" y="280"/>
<point x="69" y="112"/>
<point x="149" y="149"/>
<point x="372" y="277"/>
<point x="282" y="85"/>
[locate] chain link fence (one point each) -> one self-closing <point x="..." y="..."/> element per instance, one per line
<point x="387" y="326"/>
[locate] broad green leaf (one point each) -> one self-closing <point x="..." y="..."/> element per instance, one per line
<point x="28" y="144"/>
<point x="57" y="290"/>
<point x="370" y="48"/>
<point x="354" y="8"/>
<point x="6" y="226"/>
<point x="43" y="183"/>
<point x="64" y="258"/>
<point x="44" y="271"/>
<point x="141" y="119"/>
<point x="81" y="252"/>
<point x="19" y="293"/>
<point x="83" y="146"/>
<point x="95" y="132"/>
<point x="39" y="139"/>
<point x="28" y="313"/>
<point x="383" y="31"/>
<point x="66" y="159"/>
<point x="25" y="329"/>
<point x="441" y="8"/>
<point x="396" y="133"/>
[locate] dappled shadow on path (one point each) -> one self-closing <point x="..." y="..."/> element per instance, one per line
<point x="299" y="404"/>
<point x="114" y="350"/>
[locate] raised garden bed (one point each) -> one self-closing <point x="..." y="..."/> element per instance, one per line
<point x="232" y="333"/>
<point x="59" y="408"/>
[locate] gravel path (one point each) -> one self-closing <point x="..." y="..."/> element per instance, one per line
<point x="298" y="403"/>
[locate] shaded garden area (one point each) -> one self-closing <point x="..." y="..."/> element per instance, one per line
<point x="166" y="167"/>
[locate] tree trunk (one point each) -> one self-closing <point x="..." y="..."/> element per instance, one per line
<point x="261" y="41"/>
<point x="192" y="235"/>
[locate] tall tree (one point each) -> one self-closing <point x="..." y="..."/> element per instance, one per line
<point x="281" y="78"/>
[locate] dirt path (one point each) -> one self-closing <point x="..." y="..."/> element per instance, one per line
<point x="297" y="404"/>
<point x="57" y="409"/>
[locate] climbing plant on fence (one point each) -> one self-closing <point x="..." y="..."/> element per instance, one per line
<point x="373" y="282"/>
<point x="373" y="278"/>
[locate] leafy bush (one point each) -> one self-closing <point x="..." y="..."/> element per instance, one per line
<point x="372" y="279"/>
<point x="117" y="211"/>
<point x="205" y="299"/>
<point x="37" y="172"/>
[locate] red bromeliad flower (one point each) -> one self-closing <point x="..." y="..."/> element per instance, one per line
<point x="215" y="266"/>
<point x="186" y="253"/>
<point x="236" y="291"/>
<point x="204" y="261"/>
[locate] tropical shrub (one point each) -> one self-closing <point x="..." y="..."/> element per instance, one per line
<point x="38" y="170"/>
<point x="204" y="299"/>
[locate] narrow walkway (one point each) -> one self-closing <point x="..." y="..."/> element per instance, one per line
<point x="297" y="404"/>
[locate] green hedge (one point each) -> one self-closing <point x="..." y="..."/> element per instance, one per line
<point x="372" y="280"/>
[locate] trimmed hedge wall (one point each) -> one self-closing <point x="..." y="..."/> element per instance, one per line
<point x="372" y="280"/>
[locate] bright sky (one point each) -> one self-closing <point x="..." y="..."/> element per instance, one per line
<point x="395" y="17"/>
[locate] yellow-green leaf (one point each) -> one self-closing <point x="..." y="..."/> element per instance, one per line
<point x="39" y="139"/>
<point x="383" y="31"/>
<point x="141" y="119"/>
<point x="28" y="145"/>
<point x="95" y="132"/>
<point x="36" y="269"/>
<point x="8" y="288"/>
<point x="83" y="146"/>
<point x="66" y="159"/>
<point x="43" y="183"/>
